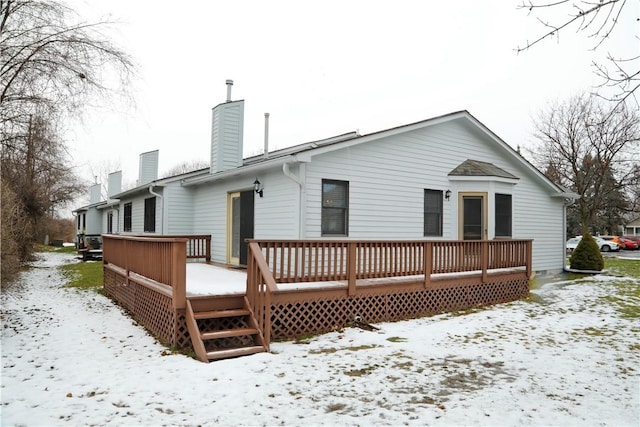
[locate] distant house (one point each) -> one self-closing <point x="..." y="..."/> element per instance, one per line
<point x="444" y="178"/>
<point x="632" y="228"/>
<point x="99" y="216"/>
<point x="88" y="218"/>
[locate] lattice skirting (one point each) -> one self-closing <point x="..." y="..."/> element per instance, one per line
<point x="315" y="316"/>
<point x="302" y="315"/>
<point x="151" y="309"/>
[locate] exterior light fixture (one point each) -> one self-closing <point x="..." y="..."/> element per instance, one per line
<point x="447" y="194"/>
<point x="257" y="187"/>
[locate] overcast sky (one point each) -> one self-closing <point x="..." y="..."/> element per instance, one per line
<point x="323" y="68"/>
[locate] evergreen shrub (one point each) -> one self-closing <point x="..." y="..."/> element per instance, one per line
<point x="587" y="256"/>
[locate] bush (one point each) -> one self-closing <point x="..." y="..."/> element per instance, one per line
<point x="15" y="225"/>
<point x="586" y="255"/>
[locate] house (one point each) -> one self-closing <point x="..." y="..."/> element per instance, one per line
<point x="89" y="218"/>
<point x="99" y="216"/>
<point x="632" y="228"/>
<point x="444" y="178"/>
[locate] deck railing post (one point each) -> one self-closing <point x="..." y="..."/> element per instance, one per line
<point x="179" y="274"/>
<point x="529" y="246"/>
<point x="351" y="267"/>
<point x="127" y="257"/>
<point x="427" y="262"/>
<point x="484" y="251"/>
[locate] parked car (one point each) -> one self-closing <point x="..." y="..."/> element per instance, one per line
<point x="604" y="245"/>
<point x="621" y="242"/>
<point x="633" y="239"/>
<point x="629" y="244"/>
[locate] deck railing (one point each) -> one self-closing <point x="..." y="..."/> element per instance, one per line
<point x="286" y="261"/>
<point x="161" y="259"/>
<point x="324" y="260"/>
<point x="198" y="245"/>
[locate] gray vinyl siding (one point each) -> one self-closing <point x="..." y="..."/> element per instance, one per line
<point x="275" y="215"/>
<point x="387" y="178"/>
<point x="137" y="214"/>
<point x="226" y="136"/>
<point x="210" y="217"/>
<point x="94" y="221"/>
<point x="179" y="209"/>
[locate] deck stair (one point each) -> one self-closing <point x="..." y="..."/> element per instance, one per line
<point x="223" y="331"/>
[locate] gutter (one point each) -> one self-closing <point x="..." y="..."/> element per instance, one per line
<point x="239" y="171"/>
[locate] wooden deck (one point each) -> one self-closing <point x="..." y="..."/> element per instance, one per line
<point x="303" y="287"/>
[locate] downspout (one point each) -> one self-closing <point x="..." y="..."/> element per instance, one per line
<point x="287" y="172"/>
<point x="117" y="209"/>
<point x="161" y="208"/>
<point x="567" y="202"/>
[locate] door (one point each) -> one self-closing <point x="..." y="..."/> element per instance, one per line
<point x="240" y="226"/>
<point x="473" y="221"/>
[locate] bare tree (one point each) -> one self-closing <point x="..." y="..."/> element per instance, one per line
<point x="598" y="20"/>
<point x="52" y="66"/>
<point x="186" y="167"/>
<point x="51" y="59"/>
<point x="591" y="150"/>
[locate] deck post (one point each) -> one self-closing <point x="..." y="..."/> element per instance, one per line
<point x="126" y="262"/>
<point x="427" y="263"/>
<point x="484" y="253"/>
<point x="529" y="246"/>
<point x="351" y="267"/>
<point x="179" y="273"/>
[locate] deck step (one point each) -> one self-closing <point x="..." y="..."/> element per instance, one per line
<point x="200" y="331"/>
<point x="235" y="352"/>
<point x="216" y="314"/>
<point x="238" y="332"/>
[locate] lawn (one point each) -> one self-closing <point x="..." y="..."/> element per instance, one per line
<point x="569" y="355"/>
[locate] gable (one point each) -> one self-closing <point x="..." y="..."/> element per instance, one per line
<point x="477" y="168"/>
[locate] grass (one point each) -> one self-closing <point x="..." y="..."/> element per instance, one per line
<point x="60" y="249"/>
<point x="627" y="298"/>
<point x="623" y="267"/>
<point x="84" y="275"/>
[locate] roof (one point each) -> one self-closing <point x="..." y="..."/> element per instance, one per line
<point x="477" y="168"/>
<point x="304" y="152"/>
<point x="87" y="207"/>
<point x="161" y="182"/>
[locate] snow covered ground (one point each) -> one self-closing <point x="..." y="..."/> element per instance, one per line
<point x="566" y="357"/>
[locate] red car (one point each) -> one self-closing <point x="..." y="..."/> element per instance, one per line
<point x="628" y="243"/>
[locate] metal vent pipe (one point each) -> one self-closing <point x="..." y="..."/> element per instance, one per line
<point x="229" y="84"/>
<point x="266" y="135"/>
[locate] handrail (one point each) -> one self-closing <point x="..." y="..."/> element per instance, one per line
<point x="260" y="285"/>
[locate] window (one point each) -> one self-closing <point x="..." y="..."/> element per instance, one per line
<point x="335" y="208"/>
<point x="503" y="215"/>
<point x="150" y="215"/>
<point x="84" y="221"/>
<point x="433" y="212"/>
<point x="110" y="222"/>
<point x="127" y="217"/>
